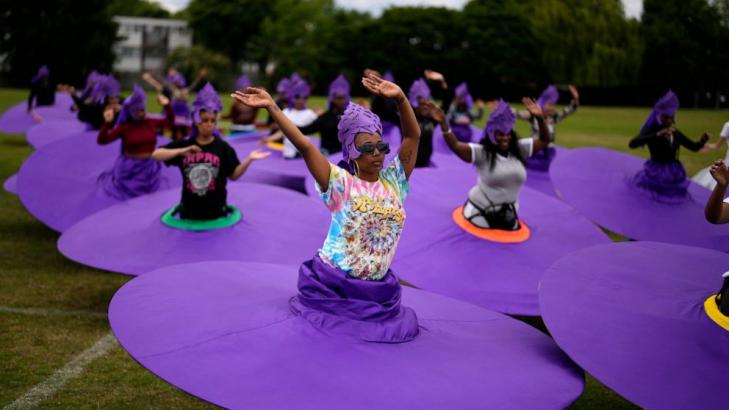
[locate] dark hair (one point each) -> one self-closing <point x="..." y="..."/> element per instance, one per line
<point x="492" y="149"/>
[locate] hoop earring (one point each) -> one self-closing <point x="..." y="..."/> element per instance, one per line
<point x="355" y="167"/>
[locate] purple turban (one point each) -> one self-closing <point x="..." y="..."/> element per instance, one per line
<point x="667" y="105"/>
<point x="550" y="95"/>
<point x="91" y="80"/>
<point x="297" y="87"/>
<point x="356" y="119"/>
<point x="388" y="76"/>
<point x="105" y="86"/>
<point x="43" y="71"/>
<point x="207" y="100"/>
<point x="133" y="103"/>
<point x="242" y="82"/>
<point x="501" y="119"/>
<point x="462" y="92"/>
<point x="177" y="79"/>
<point x="417" y="90"/>
<point x="340" y="86"/>
<point x="283" y="86"/>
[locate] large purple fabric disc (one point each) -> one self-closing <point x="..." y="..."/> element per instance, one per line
<point x="54" y="130"/>
<point x="632" y="315"/>
<point x="438" y="256"/>
<point x="10" y="185"/>
<point x="16" y="120"/>
<point x="278" y="225"/>
<point x="540" y="180"/>
<point x="598" y="183"/>
<point x="58" y="184"/>
<point x="224" y="332"/>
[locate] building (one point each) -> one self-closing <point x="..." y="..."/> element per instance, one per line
<point x="145" y="43"/>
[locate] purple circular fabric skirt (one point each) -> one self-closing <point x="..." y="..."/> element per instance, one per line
<point x="438" y="256"/>
<point x="224" y="332"/>
<point x="10" y="185"/>
<point x="599" y="183"/>
<point x="59" y="183"/>
<point x="16" y="120"/>
<point x="54" y="130"/>
<point x="538" y="171"/>
<point x="632" y="315"/>
<point x="278" y="225"/>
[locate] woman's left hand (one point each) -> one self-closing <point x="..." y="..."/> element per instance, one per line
<point x="378" y="86"/>
<point x="258" y="154"/>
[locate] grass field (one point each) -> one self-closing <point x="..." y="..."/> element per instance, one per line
<point x="52" y="310"/>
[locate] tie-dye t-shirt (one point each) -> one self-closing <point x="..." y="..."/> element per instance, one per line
<point x="367" y="219"/>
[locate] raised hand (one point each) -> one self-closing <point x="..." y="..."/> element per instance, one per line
<point x="480" y="104"/>
<point x="162" y="100"/>
<point x="532" y="107"/>
<point x="258" y="154"/>
<point x="434" y="76"/>
<point x="705" y="137"/>
<point x="378" y="86"/>
<point x="574" y="92"/>
<point x="203" y="72"/>
<point x="434" y="112"/>
<point x="254" y="97"/>
<point x="720" y="173"/>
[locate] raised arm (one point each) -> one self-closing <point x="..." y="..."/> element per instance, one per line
<point x="149" y="79"/>
<point x="169" y="119"/>
<point x="200" y="75"/>
<point x="572" y="107"/>
<point x="108" y="131"/>
<point x="542" y="141"/>
<point x="717" y="211"/>
<point x="688" y="143"/>
<point x="461" y="149"/>
<point x="408" y="123"/>
<point x="255" y="155"/>
<point x="316" y="161"/>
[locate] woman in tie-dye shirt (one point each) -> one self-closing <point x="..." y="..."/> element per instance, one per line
<point x="348" y="286"/>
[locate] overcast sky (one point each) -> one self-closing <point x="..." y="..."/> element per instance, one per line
<point x="633" y="8"/>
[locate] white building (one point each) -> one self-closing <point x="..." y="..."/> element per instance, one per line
<point x="145" y="42"/>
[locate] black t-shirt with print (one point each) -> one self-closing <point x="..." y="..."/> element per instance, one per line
<point x="204" y="176"/>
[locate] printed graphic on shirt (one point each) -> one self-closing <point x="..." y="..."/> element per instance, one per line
<point x="201" y="170"/>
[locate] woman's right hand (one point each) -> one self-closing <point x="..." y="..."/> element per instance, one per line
<point x="720" y="173"/>
<point x="109" y="114"/>
<point x="434" y="112"/>
<point x="192" y="149"/>
<point x="254" y="97"/>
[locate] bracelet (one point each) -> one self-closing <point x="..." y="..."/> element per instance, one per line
<point x="449" y="131"/>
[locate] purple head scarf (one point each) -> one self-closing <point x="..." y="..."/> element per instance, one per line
<point x="136" y="101"/>
<point x="91" y="80"/>
<point x="105" y="86"/>
<point x="340" y="86"/>
<point x="666" y="105"/>
<point x="356" y="119"/>
<point x="462" y="92"/>
<point x="550" y="95"/>
<point x="207" y="100"/>
<point x="297" y="87"/>
<point x="501" y="120"/>
<point x="177" y="79"/>
<point x="242" y="82"/>
<point x="43" y="71"/>
<point x="283" y="86"/>
<point x="388" y="76"/>
<point x="418" y="89"/>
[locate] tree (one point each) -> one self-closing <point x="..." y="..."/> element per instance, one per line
<point x="189" y="61"/>
<point x="137" y="8"/>
<point x="71" y="37"/>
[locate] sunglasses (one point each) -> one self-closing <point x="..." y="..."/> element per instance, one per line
<point x="369" y="149"/>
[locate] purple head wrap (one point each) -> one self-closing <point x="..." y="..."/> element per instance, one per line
<point x="43" y="71"/>
<point x="177" y="79"/>
<point x="105" y="86"/>
<point x="283" y="86"/>
<point x="133" y="103"/>
<point x="501" y="119"/>
<point x="340" y="86"/>
<point x="666" y="105"/>
<point x="297" y="87"/>
<point x="462" y="92"/>
<point x="356" y="119"/>
<point x="242" y="82"/>
<point x="388" y="76"/>
<point x="91" y="80"/>
<point x="207" y="100"/>
<point x="418" y="89"/>
<point x="550" y="95"/>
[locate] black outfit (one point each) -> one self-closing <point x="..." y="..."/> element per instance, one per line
<point x="326" y="126"/>
<point x="427" y="126"/>
<point x="43" y="92"/>
<point x="663" y="150"/>
<point x="204" y="176"/>
<point x="92" y="114"/>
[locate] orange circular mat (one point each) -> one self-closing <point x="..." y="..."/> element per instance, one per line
<point x="494" y="235"/>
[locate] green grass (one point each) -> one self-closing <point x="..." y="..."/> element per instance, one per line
<point x="34" y="275"/>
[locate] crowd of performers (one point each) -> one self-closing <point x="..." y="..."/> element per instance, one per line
<point x="362" y="188"/>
